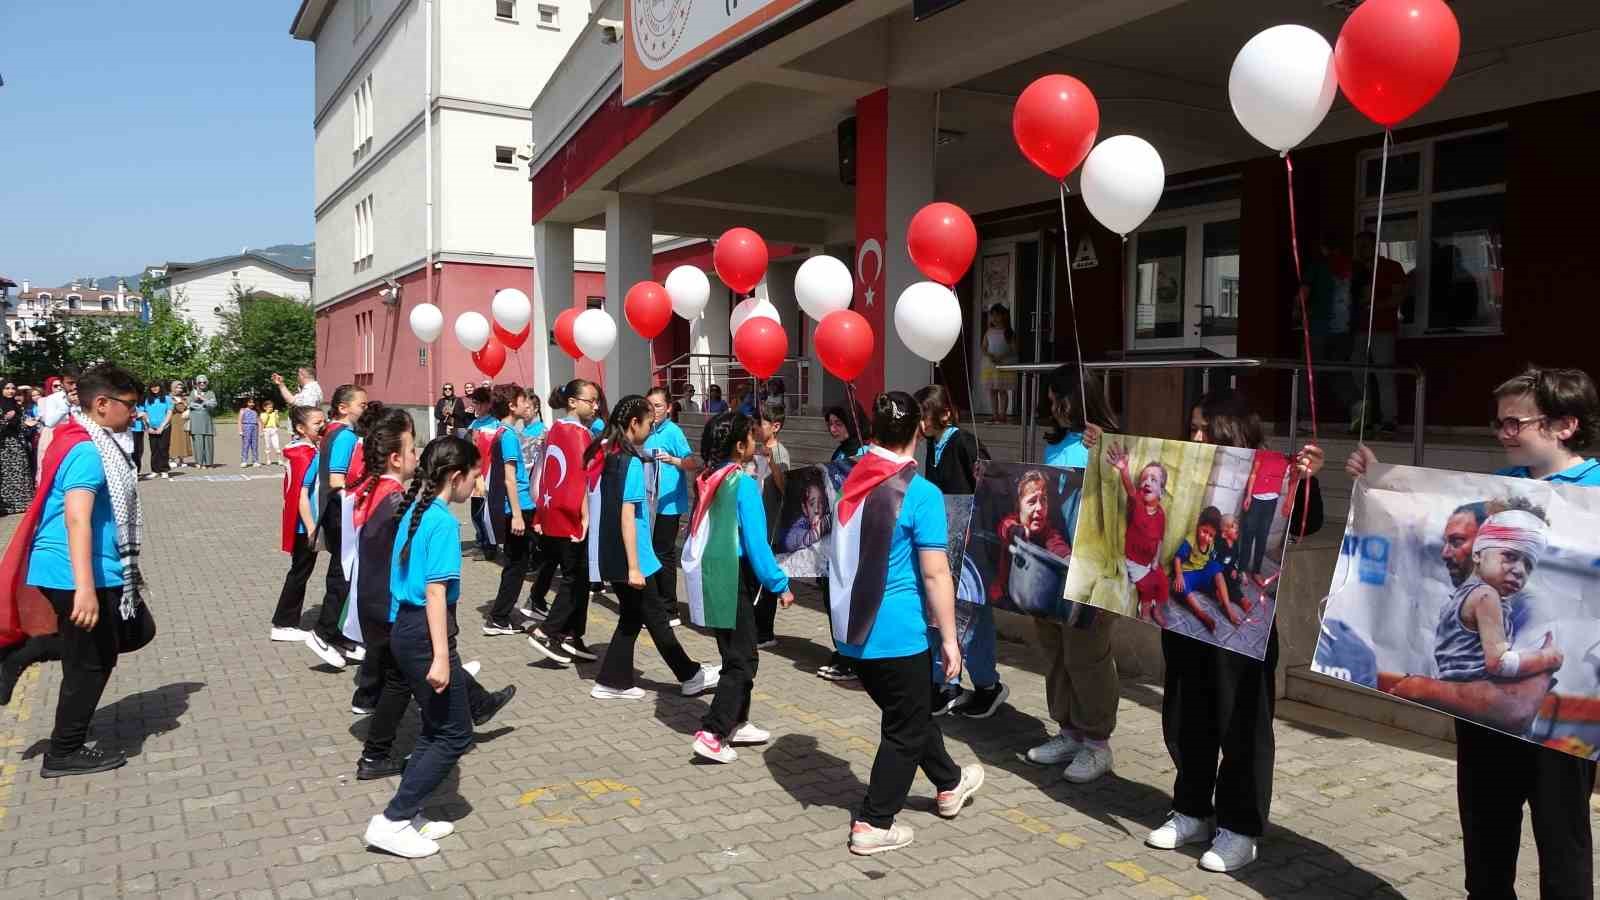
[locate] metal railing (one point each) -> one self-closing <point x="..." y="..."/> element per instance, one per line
<point x="705" y="369"/>
<point x="1030" y="387"/>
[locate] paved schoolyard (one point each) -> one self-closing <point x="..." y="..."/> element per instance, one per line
<point x="241" y="781"/>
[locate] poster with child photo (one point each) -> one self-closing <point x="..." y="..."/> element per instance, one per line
<point x="1475" y="595"/>
<point x="1020" y="540"/>
<point x="1186" y="536"/>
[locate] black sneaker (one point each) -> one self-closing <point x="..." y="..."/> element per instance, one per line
<point x="491" y="627"/>
<point x="945" y="698"/>
<point x="982" y="702"/>
<point x="87" y="761"/>
<point x="547" y="647"/>
<point x="493" y="704"/>
<point x="578" y="649"/>
<point x="369" y="769"/>
<point x="537" y="609"/>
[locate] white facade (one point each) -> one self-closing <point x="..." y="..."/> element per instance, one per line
<point x="370" y="161"/>
<point x="211" y="288"/>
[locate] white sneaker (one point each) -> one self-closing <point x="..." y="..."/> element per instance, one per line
<point x="472" y="668"/>
<point x="399" y="838"/>
<point x="747" y="733"/>
<point x="1179" y="830"/>
<point x="768" y="644"/>
<point x="430" y="829"/>
<point x="356" y="654"/>
<point x="1055" y="751"/>
<point x="290" y="635"/>
<point x="1229" y="852"/>
<point x="1090" y="763"/>
<point x="325" y="651"/>
<point x="950" y="802"/>
<point x="702" y="681"/>
<point x="601" y="692"/>
<point x="713" y="748"/>
<point x="674" y="622"/>
<point x="867" y="841"/>
<point x="361" y="710"/>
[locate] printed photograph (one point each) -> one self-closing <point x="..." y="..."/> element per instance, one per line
<point x="1185" y="536"/>
<point x="1476" y="595"/>
<point x="1020" y="540"/>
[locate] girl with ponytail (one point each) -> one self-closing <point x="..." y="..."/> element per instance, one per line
<point x="331" y="468"/>
<point x="628" y="560"/>
<point x="424" y="584"/>
<point x="562" y="519"/>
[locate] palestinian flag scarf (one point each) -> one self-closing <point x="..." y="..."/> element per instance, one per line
<point x="858" y="546"/>
<point x="376" y="524"/>
<point x="710" y="559"/>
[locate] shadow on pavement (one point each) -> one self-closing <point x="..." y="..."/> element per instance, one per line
<point x="811" y="775"/>
<point x="126" y="724"/>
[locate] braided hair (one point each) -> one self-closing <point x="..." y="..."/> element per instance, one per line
<point x="368" y="418"/>
<point x="381" y="437"/>
<point x="722" y="435"/>
<point x="444" y="456"/>
<point x="628" y="410"/>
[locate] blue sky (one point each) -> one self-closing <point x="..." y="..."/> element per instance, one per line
<point x="135" y="132"/>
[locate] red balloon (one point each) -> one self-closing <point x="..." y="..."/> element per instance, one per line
<point x="760" y="346"/>
<point x="1055" y="122"/>
<point x="514" y="341"/>
<point x="741" y="259"/>
<point x="942" y="241"/>
<point x="1393" y="56"/>
<point x="491" y="358"/>
<point x="844" y="342"/>
<point x="563" y="332"/>
<point x="647" y="308"/>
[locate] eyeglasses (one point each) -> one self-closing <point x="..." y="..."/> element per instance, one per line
<point x="130" y="404"/>
<point x="589" y="400"/>
<point x="1512" y="426"/>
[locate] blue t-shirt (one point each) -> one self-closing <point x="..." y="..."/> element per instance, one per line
<point x="596" y="426"/>
<point x="1586" y="473"/>
<point x="944" y="440"/>
<point x="716" y="407"/>
<point x="672" y="489"/>
<point x="309" y="482"/>
<point x="901" y="629"/>
<point x="534" y="429"/>
<point x="484" y="423"/>
<point x="50" y="566"/>
<point x="1068" y="453"/>
<point x="157" y="411"/>
<point x="340" y="449"/>
<point x="511" y="449"/>
<point x="634" y="491"/>
<point x="435" y="558"/>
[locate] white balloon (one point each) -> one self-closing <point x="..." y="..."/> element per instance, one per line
<point x="749" y="308"/>
<point x="512" y="309"/>
<point x="1282" y="85"/>
<point x="823" y="285"/>
<point x="595" y="333"/>
<point x="928" y="319"/>
<point x="427" y="322"/>
<point x="472" y="330"/>
<point x="1122" y="181"/>
<point x="689" y="289"/>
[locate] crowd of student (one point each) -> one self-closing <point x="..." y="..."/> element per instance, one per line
<point x="601" y="496"/>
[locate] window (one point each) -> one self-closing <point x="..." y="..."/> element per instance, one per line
<point x="361" y="118"/>
<point x="363" y="10"/>
<point x="365" y="344"/>
<point x="44" y="297"/>
<point x="505" y="9"/>
<point x="362" y="245"/>
<point x="550" y="16"/>
<point x="74" y="301"/>
<point x="1444" y="223"/>
<point x="505" y="156"/>
<point x="107" y="304"/>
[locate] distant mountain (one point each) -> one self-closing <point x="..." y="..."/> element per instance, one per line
<point x="300" y="256"/>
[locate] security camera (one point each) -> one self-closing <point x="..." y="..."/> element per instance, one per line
<point x="525" y="151"/>
<point x="390" y="293"/>
<point x="610" y="30"/>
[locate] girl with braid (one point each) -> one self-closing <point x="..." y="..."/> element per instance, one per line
<point x="424" y="584"/>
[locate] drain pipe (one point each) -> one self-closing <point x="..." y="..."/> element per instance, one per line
<point x="427" y="182"/>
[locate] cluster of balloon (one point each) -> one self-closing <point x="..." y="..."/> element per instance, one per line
<point x="941" y="241"/>
<point x="844" y="340"/>
<point x="759" y="341"/>
<point x="648" y="309"/>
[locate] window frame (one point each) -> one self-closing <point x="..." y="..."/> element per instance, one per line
<point x="511" y="152"/>
<point x="512" y="18"/>
<point x="555" y="16"/>
<point x="1421" y="202"/>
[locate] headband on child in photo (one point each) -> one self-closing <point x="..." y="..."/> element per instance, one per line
<point x="1516" y="530"/>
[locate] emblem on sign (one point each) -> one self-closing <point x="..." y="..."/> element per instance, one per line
<point x="658" y="25"/>
<point x="869" y="247"/>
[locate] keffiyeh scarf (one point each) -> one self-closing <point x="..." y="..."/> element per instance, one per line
<point x="123" y="486"/>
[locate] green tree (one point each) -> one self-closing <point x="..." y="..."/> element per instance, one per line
<point x="168" y="347"/>
<point x="262" y="334"/>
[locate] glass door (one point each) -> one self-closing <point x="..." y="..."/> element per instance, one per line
<point x="1183" y="282"/>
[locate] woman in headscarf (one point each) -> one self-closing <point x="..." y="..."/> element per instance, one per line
<point x="16" y="470"/>
<point x="182" y="446"/>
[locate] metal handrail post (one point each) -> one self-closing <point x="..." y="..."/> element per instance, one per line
<point x="1416" y="416"/>
<point x="1294" y="408"/>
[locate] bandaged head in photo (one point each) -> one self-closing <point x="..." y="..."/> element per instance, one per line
<point x="1514" y="529"/>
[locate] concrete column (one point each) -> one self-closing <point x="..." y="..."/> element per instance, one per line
<point x="552" y="254"/>
<point x="629" y="248"/>
<point x="910" y="186"/>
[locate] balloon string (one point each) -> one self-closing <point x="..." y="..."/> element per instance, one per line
<point x="1372" y="291"/>
<point x="1072" y="306"/>
<point x="966" y="365"/>
<point x="1305" y="330"/>
<point x="850" y="397"/>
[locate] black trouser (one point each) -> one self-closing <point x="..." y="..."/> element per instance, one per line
<point x="138" y="451"/>
<point x="159" y="442"/>
<point x="664" y="540"/>
<point x="87" y="658"/>
<point x="731" y="706"/>
<point x="1253" y="532"/>
<point x="569" y="615"/>
<point x="909" y="739"/>
<point x="336" y="588"/>
<point x="836" y="659"/>
<point x="446" y="718"/>
<point x="1219" y="700"/>
<point x="292" y="599"/>
<point x="1495" y="775"/>
<point x="766" y="608"/>
<point x="641" y="607"/>
<point x="481" y="534"/>
<point x="369" y="675"/>
<point x="394" y="694"/>
<point x="519" y="550"/>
